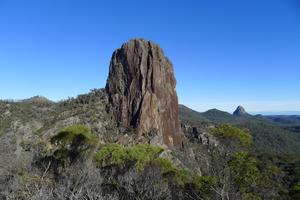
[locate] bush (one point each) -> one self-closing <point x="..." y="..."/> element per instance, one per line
<point x="246" y="175"/>
<point x="145" y="155"/>
<point x="204" y="183"/>
<point x="228" y="131"/>
<point x="181" y="176"/>
<point x="295" y="192"/>
<point x="73" y="143"/>
<point x="75" y="134"/>
<point x="114" y="154"/>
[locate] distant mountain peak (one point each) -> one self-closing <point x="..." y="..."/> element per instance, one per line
<point x="240" y="111"/>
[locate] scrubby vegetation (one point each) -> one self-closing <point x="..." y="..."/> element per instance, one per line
<point x="270" y="138"/>
<point x="295" y="192"/>
<point x="73" y="135"/>
<point x="246" y="174"/>
<point x="116" y="172"/>
<point x="230" y="132"/>
<point x="267" y="137"/>
<point x="144" y="156"/>
<point x="114" y="154"/>
<point x="71" y="145"/>
<point x="241" y="171"/>
<point x="68" y="150"/>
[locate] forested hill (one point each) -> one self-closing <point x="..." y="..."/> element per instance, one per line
<point x="270" y="134"/>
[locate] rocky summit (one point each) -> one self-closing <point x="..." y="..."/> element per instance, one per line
<point x="141" y="88"/>
<point x="240" y="111"/>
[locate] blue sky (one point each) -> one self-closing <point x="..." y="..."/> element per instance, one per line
<point x="225" y="52"/>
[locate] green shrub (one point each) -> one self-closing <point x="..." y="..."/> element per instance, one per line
<point x="145" y="154"/>
<point x="246" y="175"/>
<point x="73" y="143"/>
<point x="297" y="187"/>
<point x="114" y="154"/>
<point x="295" y="192"/>
<point x="181" y="176"/>
<point x="245" y="166"/>
<point x="231" y="132"/>
<point x="204" y="183"/>
<point x="75" y="133"/>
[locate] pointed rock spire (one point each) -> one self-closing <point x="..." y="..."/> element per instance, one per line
<point x="141" y="88"/>
<point x="240" y="111"/>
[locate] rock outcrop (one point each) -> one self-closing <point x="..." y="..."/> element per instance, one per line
<point x="240" y="111"/>
<point x="141" y="89"/>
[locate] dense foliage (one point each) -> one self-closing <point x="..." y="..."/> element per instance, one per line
<point x="75" y="134"/>
<point x="143" y="155"/>
<point x="224" y="156"/>
<point x="231" y="132"/>
<point x="246" y="174"/>
<point x="114" y="154"/>
<point x="116" y="172"/>
<point x="270" y="138"/>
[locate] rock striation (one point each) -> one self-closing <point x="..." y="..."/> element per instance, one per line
<point x="240" y="111"/>
<point x="141" y="89"/>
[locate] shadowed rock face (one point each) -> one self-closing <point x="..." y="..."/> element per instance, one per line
<point x="141" y="88"/>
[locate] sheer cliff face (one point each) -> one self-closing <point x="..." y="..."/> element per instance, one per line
<point x="141" y="88"/>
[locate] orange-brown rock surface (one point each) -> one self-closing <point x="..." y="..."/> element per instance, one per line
<point x="141" y="88"/>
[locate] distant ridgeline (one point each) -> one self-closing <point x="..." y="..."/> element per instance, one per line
<point x="32" y="99"/>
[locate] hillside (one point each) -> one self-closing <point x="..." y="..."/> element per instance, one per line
<point x="268" y="136"/>
<point x="288" y="122"/>
<point x="132" y="141"/>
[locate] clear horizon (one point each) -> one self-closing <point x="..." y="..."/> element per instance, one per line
<point x="224" y="54"/>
